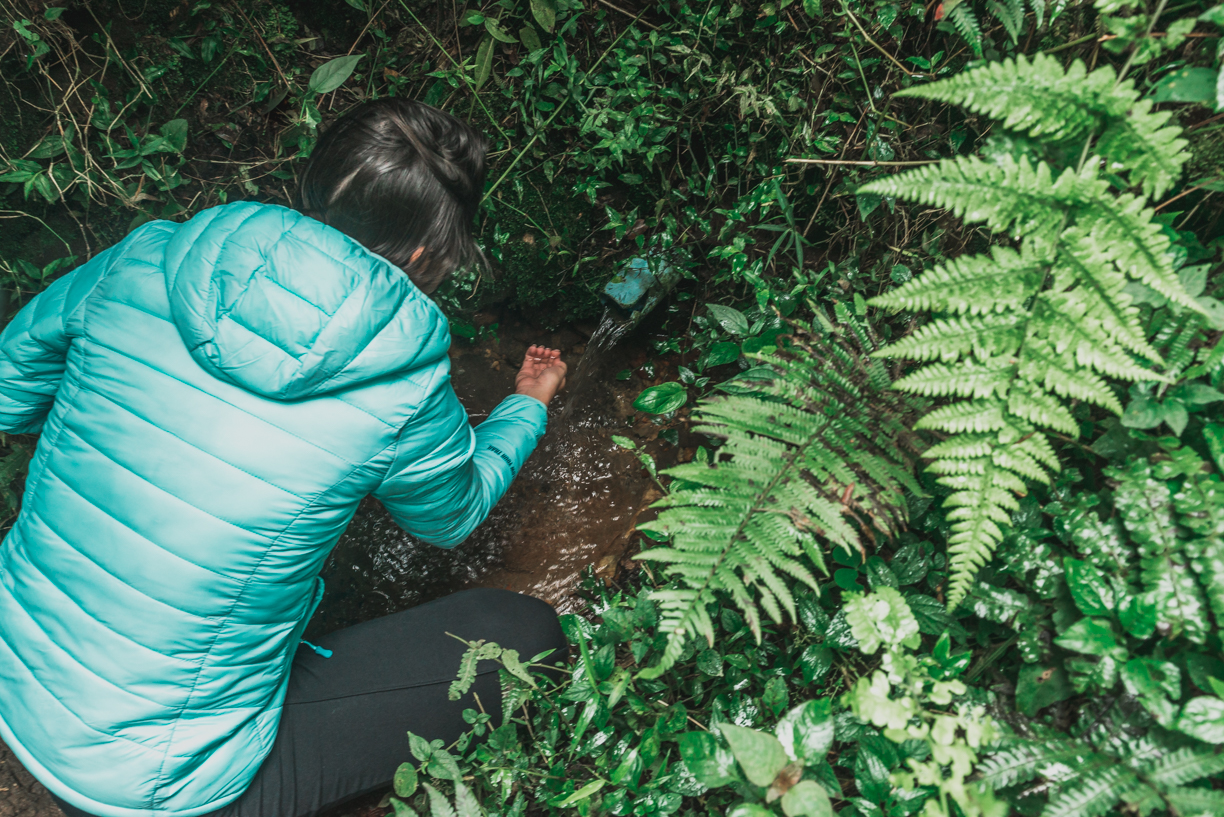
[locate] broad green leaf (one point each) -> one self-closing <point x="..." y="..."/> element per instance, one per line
<point x="730" y="319"/>
<point x="761" y="756"/>
<point x="175" y="133"/>
<point x="497" y="32"/>
<point x="806" y="798"/>
<point x="545" y="13"/>
<point x="722" y="353"/>
<point x="1153" y="682"/>
<point x="661" y="399"/>
<point x="1203" y="718"/>
<point x="710" y="662"/>
<point x="815" y="661"/>
<point x="419" y="747"/>
<point x="1088" y="588"/>
<point x="529" y="39"/>
<point x="871" y="775"/>
<point x="806" y="732"/>
<point x="1090" y="636"/>
<point x="624" y="442"/>
<point x="750" y="810"/>
<point x="1187" y="85"/>
<point x="581" y="794"/>
<point x="708" y="760"/>
<point x="405" y="780"/>
<point x="776" y="696"/>
<point x="54" y="12"/>
<point x="332" y="74"/>
<point x="484" y="61"/>
<point x="1038" y="686"/>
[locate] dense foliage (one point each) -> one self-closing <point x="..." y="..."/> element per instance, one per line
<point x="983" y="233"/>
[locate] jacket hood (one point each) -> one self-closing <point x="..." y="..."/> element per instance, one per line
<point x="287" y="307"/>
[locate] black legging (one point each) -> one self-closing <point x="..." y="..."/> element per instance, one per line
<point x="344" y="728"/>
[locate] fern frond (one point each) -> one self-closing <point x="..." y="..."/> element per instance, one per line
<point x="989" y="378"/>
<point x="1092" y="794"/>
<point x="1025" y="333"/>
<point x="968" y="415"/>
<point x="949" y="339"/>
<point x="1020" y="764"/>
<point x="1010" y="13"/>
<point x="1083" y="261"/>
<point x="1183" y="766"/>
<point x="816" y="455"/>
<point x="962" y="18"/>
<point x="1196" y="802"/>
<point x="1042" y="99"/>
<point x="1008" y="196"/>
<point x="974" y="284"/>
<point x="979" y="506"/>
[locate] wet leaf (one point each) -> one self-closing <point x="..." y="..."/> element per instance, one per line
<point x="710" y="662"/>
<point x="661" y="399"/>
<point x="529" y="39"/>
<point x="709" y="761"/>
<point x="405" y="780"/>
<point x="761" y="756"/>
<point x="332" y="74"/>
<point x="815" y="662"/>
<point x="871" y="775"/>
<point x="1088" y="588"/>
<point x="879" y="618"/>
<point x="484" y="61"/>
<point x="581" y="794"/>
<point x="722" y="353"/>
<point x="1039" y="686"/>
<point x="730" y="319"/>
<point x="806" y="799"/>
<point x="1187" y="85"/>
<point x="776" y="696"/>
<point x="545" y="13"/>
<point x="1203" y="718"/>
<point x="497" y="32"/>
<point x="1091" y="636"/>
<point x="175" y="133"/>
<point x="806" y="732"/>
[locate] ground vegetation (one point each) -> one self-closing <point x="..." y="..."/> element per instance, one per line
<point x="947" y="334"/>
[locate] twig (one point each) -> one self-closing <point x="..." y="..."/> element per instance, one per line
<point x="1199" y="186"/>
<point x="259" y="37"/>
<point x="860" y="163"/>
<point x="874" y="44"/>
<point x="615" y="7"/>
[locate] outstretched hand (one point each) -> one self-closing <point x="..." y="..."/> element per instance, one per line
<point x="542" y="374"/>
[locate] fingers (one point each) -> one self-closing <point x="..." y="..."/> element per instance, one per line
<point x="542" y="354"/>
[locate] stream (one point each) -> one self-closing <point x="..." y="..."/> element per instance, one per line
<point x="574" y="504"/>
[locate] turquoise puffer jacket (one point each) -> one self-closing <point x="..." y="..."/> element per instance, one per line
<point x="215" y="398"/>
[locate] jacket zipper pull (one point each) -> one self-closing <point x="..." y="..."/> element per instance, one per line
<point x="321" y="651"/>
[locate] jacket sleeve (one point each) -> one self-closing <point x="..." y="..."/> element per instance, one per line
<point x="440" y="492"/>
<point x="34" y="348"/>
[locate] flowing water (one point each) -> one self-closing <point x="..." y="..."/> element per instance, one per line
<point x="574" y="503"/>
<point x="612" y="327"/>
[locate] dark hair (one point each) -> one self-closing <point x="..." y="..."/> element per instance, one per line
<point x="397" y="176"/>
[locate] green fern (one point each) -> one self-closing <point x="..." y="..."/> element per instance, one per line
<point x="1010" y="13"/>
<point x="1111" y="766"/>
<point x="818" y="453"/>
<point x="1020" y="334"/>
